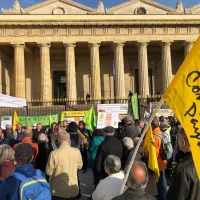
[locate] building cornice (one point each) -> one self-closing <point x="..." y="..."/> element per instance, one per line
<point x="98" y="20"/>
<point x="149" y="2"/>
<point x="190" y="10"/>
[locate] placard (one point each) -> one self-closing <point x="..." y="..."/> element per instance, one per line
<point x="107" y="119"/>
<point x="164" y="112"/>
<point x="120" y="109"/>
<point x="6" y="120"/>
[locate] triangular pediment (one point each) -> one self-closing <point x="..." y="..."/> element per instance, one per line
<point x="194" y="10"/>
<point x="50" y="7"/>
<point x="140" y="7"/>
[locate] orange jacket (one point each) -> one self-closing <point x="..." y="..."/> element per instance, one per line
<point x="34" y="145"/>
<point x="162" y="164"/>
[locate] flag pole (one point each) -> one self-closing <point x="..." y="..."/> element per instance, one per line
<point x="139" y="142"/>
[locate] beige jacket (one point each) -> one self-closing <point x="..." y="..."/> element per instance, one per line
<point x="62" y="166"/>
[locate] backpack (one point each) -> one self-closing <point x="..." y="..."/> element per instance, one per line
<point x="33" y="186"/>
<point x="167" y="151"/>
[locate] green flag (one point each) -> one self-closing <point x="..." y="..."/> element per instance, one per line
<point x="50" y="120"/>
<point x="134" y="102"/>
<point x="90" y="119"/>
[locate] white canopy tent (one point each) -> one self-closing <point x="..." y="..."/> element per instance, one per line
<point x="11" y="102"/>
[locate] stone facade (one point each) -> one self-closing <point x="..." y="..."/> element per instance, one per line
<point x="60" y="48"/>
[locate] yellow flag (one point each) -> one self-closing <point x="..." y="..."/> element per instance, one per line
<point x="149" y="145"/>
<point x="183" y="96"/>
<point x="15" y="120"/>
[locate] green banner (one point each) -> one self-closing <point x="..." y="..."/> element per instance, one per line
<point x="44" y="120"/>
<point x="134" y="102"/>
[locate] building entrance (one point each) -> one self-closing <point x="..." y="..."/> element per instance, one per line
<point x="59" y="84"/>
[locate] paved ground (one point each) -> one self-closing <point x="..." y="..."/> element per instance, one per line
<point x="87" y="184"/>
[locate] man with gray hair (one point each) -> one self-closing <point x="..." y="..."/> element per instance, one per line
<point x="137" y="182"/>
<point x="110" y="146"/>
<point x="164" y="128"/>
<point x="109" y="187"/>
<point x="62" y="168"/>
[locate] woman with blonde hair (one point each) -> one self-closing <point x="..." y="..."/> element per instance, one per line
<point x="6" y="161"/>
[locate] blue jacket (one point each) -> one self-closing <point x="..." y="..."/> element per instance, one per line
<point x="93" y="148"/>
<point x="9" y="188"/>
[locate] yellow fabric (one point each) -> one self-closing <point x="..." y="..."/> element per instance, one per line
<point x="149" y="145"/>
<point x="183" y="96"/>
<point x="15" y="120"/>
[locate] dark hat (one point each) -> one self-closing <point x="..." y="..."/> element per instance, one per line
<point x="73" y="127"/>
<point x="24" y="150"/>
<point x="109" y="129"/>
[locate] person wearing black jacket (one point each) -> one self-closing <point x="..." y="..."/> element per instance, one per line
<point x="110" y="146"/>
<point x="127" y="128"/>
<point x="184" y="184"/>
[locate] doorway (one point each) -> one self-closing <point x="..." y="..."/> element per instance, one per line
<point x="59" y="84"/>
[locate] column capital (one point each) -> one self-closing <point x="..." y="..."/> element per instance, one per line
<point x="189" y="42"/>
<point x="44" y="45"/>
<point x="94" y="44"/>
<point x="66" y="44"/>
<point x="167" y="42"/>
<point x="116" y="44"/>
<point x="143" y="43"/>
<point x="21" y="45"/>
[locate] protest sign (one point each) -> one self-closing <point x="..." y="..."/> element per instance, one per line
<point x="75" y="116"/>
<point x="164" y="112"/>
<point x="6" y="120"/>
<point x="134" y="102"/>
<point x="120" y="109"/>
<point x="44" y="120"/>
<point x="107" y="119"/>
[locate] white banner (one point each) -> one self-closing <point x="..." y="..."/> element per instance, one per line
<point x="120" y="109"/>
<point x="164" y="112"/>
<point x="106" y="119"/>
<point x="6" y="120"/>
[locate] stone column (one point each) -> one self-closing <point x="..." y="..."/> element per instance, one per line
<point x="143" y="69"/>
<point x="119" y="68"/>
<point x="1" y="73"/>
<point x="95" y="72"/>
<point x="46" y="93"/>
<point x="166" y="65"/>
<point x="19" y="71"/>
<point x="71" y="91"/>
<point x="187" y="47"/>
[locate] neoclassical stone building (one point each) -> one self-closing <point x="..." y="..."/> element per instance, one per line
<point x="60" y="48"/>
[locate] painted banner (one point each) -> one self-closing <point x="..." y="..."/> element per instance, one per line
<point x="6" y="120"/>
<point x="107" y="119"/>
<point x="120" y="109"/>
<point x="44" y="120"/>
<point x="134" y="102"/>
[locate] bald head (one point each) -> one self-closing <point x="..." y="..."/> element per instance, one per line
<point x="138" y="176"/>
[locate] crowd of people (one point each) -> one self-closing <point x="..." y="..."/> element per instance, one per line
<point x="44" y="164"/>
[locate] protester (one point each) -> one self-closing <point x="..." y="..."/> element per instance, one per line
<point x="1" y="134"/>
<point x="139" y="126"/>
<point x="62" y="166"/>
<point x="110" y="146"/>
<point x="164" y="129"/>
<point x="65" y="125"/>
<point x="84" y="144"/>
<point x="184" y="184"/>
<point x="137" y="182"/>
<point x="37" y="132"/>
<point x="18" y="132"/>
<point x="74" y="135"/>
<point x="27" y="135"/>
<point x="8" y="128"/>
<point x="25" y="182"/>
<point x="50" y="131"/>
<point x="60" y="123"/>
<point x="43" y="154"/>
<point x="162" y="164"/>
<point x="6" y="161"/>
<point x="128" y="128"/>
<point x="8" y="138"/>
<point x="53" y="139"/>
<point x="109" y="187"/>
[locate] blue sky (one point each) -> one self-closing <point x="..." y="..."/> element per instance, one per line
<point x="93" y="3"/>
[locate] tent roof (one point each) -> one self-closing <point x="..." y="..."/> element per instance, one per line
<point x="11" y="102"/>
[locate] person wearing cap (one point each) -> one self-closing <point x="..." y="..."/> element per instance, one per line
<point x="24" y="174"/>
<point x="110" y="146"/>
<point x="136" y="183"/>
<point x="62" y="167"/>
<point x="27" y="135"/>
